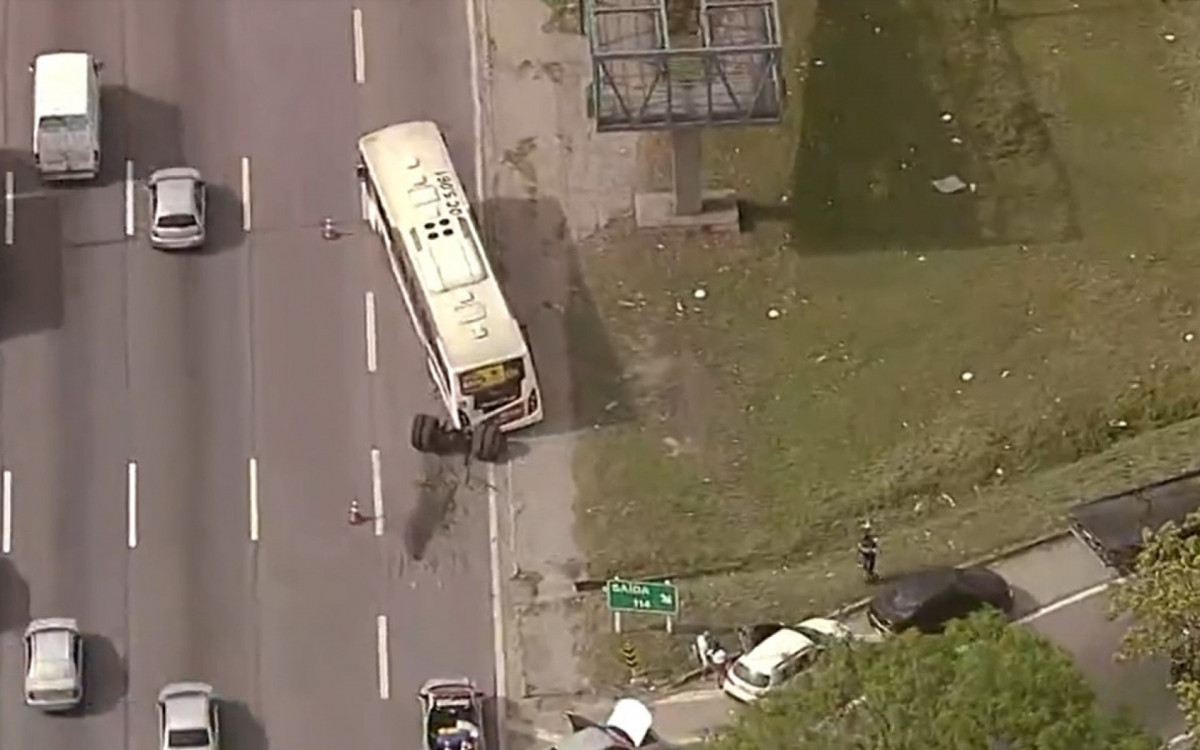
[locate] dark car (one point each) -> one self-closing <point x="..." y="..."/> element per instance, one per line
<point x="929" y="599"/>
<point x="750" y="636"/>
<point x="1113" y="526"/>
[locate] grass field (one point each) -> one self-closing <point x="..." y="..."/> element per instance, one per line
<point x="955" y="367"/>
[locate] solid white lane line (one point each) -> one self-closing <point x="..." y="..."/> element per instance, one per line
<point x="381" y="652"/>
<point x="1069" y="600"/>
<point x="7" y="512"/>
<point x="377" y="491"/>
<point x="498" y="644"/>
<point x="477" y="99"/>
<point x="10" y="199"/>
<point x="360" y="52"/>
<point x="246" y="217"/>
<point x="372" y="354"/>
<point x="129" y="198"/>
<point x="253" y="471"/>
<point x="132" y="516"/>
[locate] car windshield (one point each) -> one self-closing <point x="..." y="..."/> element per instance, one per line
<point x="51" y="695"/>
<point x="749" y="676"/>
<point x="177" y="221"/>
<point x="816" y="636"/>
<point x="62" y="123"/>
<point x="188" y="738"/>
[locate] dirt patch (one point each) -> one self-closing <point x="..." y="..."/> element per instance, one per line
<point x="875" y="347"/>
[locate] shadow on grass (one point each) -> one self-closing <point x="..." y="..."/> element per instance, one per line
<point x="900" y="96"/>
<point x="542" y="274"/>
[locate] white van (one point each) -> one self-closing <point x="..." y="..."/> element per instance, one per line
<point x="66" y="115"/>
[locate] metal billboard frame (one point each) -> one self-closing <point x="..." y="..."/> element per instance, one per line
<point x="641" y="80"/>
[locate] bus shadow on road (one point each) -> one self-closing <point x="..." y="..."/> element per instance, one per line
<point x="31" y="267"/>
<point x="531" y="248"/>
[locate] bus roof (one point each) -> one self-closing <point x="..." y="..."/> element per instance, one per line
<point x="61" y="83"/>
<point x="425" y="202"/>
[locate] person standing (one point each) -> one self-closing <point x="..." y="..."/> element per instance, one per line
<point x="868" y="552"/>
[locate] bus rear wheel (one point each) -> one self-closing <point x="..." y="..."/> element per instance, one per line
<point x="488" y="442"/>
<point x="425" y="433"/>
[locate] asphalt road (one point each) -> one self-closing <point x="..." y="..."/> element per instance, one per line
<point x="182" y="434"/>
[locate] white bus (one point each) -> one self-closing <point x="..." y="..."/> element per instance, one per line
<point x="475" y="349"/>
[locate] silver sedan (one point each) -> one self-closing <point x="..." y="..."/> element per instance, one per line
<point x="178" y="201"/>
<point x="187" y="717"/>
<point x="53" y="664"/>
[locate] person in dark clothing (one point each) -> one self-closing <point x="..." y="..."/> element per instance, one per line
<point x="868" y="552"/>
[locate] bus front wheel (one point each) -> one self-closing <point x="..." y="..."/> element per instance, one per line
<point x="488" y="442"/>
<point x="425" y="431"/>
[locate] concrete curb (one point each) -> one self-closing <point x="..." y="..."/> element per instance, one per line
<point x="587" y="585"/>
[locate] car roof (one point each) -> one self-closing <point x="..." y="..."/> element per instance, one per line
<point x="176" y="196"/>
<point x="52" y="658"/>
<point x="185" y="705"/>
<point x="52" y="644"/>
<point x="632" y="717"/>
<point x="904" y="598"/>
<point x="769" y="654"/>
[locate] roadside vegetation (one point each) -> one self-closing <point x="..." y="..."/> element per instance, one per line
<point x="1165" y="607"/>
<point x="957" y="367"/>
<point x="981" y="685"/>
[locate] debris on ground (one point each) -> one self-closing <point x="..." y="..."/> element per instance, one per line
<point x="950" y="185"/>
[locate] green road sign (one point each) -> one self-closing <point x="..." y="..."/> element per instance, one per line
<point x="642" y="596"/>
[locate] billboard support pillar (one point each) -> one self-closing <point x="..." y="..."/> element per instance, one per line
<point x="687" y="171"/>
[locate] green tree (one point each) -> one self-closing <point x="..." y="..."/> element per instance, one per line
<point x="1163" y="599"/>
<point x="983" y="685"/>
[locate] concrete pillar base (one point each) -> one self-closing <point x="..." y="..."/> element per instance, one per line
<point x="719" y="212"/>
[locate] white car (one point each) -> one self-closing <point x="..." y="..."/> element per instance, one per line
<point x="53" y="664"/>
<point x="781" y="657"/>
<point x="178" y="209"/>
<point x="627" y="727"/>
<point x="187" y="717"/>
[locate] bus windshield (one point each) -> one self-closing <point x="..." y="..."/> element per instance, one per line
<point x="491" y="376"/>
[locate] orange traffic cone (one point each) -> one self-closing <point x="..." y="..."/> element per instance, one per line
<point x="355" y="517"/>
